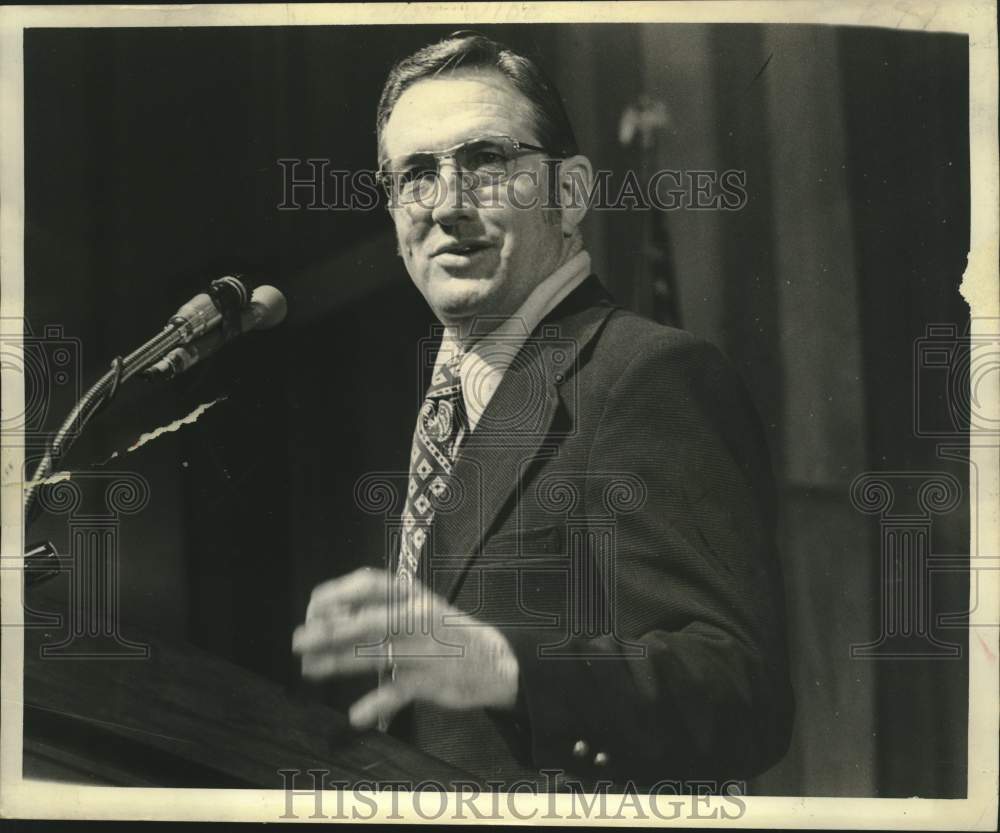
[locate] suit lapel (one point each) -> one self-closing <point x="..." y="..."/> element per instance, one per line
<point x="521" y="426"/>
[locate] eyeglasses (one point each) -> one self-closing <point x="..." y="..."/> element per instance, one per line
<point x="483" y="162"/>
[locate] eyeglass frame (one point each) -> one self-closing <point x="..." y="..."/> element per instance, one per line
<point x="383" y="176"/>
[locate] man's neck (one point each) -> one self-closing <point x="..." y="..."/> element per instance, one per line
<point x="489" y="351"/>
<point x="468" y="331"/>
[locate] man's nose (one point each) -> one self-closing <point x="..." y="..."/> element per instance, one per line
<point x="455" y="198"/>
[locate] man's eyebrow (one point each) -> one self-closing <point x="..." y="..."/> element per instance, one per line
<point x="410" y="156"/>
<point x="474" y="139"/>
<point x="403" y="158"/>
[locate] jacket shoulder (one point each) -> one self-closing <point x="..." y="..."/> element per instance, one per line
<point x="628" y="341"/>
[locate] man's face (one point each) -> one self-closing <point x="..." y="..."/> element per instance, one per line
<point x="504" y="250"/>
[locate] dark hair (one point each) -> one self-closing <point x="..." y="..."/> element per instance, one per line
<point x="472" y="50"/>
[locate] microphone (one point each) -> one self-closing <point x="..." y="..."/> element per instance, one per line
<point x="201" y="321"/>
<point x="225" y="298"/>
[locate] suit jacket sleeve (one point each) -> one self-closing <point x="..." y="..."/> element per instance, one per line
<point x="696" y="585"/>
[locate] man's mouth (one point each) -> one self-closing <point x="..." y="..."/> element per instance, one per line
<point x="465" y="247"/>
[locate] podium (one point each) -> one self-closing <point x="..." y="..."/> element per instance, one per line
<point x="172" y="715"/>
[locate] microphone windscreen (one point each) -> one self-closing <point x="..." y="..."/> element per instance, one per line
<point x="269" y="307"/>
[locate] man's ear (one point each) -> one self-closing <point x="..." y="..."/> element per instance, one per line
<point x="576" y="178"/>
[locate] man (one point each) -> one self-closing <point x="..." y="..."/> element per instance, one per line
<point x="586" y="578"/>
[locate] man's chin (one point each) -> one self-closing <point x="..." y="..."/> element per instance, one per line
<point x="458" y="299"/>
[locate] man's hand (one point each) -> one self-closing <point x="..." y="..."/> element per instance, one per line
<point x="365" y="621"/>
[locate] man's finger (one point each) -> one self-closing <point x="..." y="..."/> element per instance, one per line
<point x="332" y="664"/>
<point x="347" y="592"/>
<point x="385" y="701"/>
<point x="363" y="627"/>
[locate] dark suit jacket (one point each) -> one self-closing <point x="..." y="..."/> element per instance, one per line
<point x="614" y="516"/>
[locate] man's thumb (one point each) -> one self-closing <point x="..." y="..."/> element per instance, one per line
<point x="384" y="701"/>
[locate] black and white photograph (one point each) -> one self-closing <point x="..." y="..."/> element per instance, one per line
<point x="538" y="413"/>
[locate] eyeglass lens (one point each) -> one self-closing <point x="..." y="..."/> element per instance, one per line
<point x="482" y="162"/>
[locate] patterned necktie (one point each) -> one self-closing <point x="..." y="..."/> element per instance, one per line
<point x="440" y="428"/>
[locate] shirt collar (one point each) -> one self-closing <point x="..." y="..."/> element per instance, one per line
<point x="484" y="364"/>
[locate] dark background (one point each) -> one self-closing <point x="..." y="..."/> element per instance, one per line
<point x="151" y="168"/>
